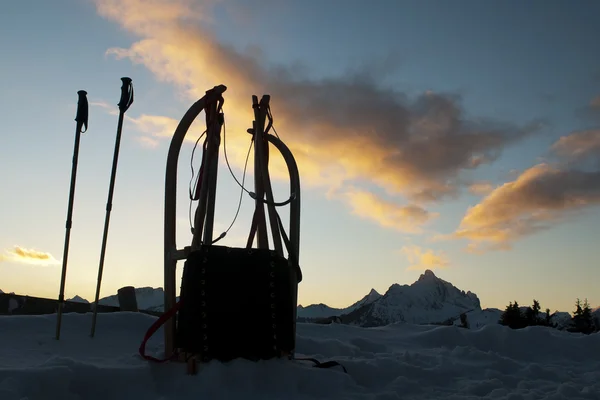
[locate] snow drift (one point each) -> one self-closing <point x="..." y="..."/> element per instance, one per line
<point x="400" y="361"/>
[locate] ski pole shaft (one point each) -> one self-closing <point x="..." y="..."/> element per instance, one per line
<point x="82" y="120"/>
<point x="124" y="103"/>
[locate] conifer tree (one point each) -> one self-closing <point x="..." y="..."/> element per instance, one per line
<point x="532" y="313"/>
<point x="548" y="320"/>
<point x="512" y="316"/>
<point x="464" y="323"/>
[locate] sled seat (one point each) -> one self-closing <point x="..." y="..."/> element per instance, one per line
<point x="237" y="303"/>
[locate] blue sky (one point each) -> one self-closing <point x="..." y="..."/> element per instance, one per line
<point x="528" y="67"/>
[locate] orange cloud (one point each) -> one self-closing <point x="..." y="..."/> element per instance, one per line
<point x="387" y="214"/>
<point x="541" y="196"/>
<point x="537" y="198"/>
<point x="341" y="130"/>
<point x="421" y="259"/>
<point x="579" y="146"/>
<point x="28" y="256"/>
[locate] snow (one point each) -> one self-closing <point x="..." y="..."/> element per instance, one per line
<point x="481" y="318"/>
<point x="562" y="319"/>
<point x="398" y="361"/>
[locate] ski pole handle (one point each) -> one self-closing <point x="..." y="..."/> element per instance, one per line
<point x="126" y="94"/>
<point x="82" y="109"/>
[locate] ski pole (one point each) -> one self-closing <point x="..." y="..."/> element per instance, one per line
<point x="82" y="120"/>
<point x="124" y="103"/>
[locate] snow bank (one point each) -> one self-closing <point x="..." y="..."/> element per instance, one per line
<point x="399" y="361"/>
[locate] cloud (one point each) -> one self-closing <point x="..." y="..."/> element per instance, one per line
<point x="148" y="142"/>
<point x="540" y="197"/>
<point x="481" y="188"/>
<point x="112" y="110"/>
<point x="154" y="125"/>
<point x="421" y="259"/>
<point x="403" y="218"/>
<point x="579" y="146"/>
<point x="341" y="129"/>
<point x="590" y="111"/>
<point x="28" y="256"/>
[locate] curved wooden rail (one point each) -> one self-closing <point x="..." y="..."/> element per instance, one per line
<point x="170" y="247"/>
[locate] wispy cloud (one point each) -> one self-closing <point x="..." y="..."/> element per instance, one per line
<point x="539" y="198"/>
<point x="110" y="109"/>
<point x="403" y="218"/>
<point x="481" y="188"/>
<point x="346" y="128"/>
<point x="421" y="259"/>
<point x="28" y="256"/>
<point x="579" y="146"/>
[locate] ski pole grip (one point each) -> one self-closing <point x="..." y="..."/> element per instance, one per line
<point x="82" y="109"/>
<point x="126" y="94"/>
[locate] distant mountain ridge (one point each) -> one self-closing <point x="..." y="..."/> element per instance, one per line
<point x="148" y="298"/>
<point x="429" y="300"/>
<point x="323" y="311"/>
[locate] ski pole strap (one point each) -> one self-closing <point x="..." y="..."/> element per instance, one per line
<point x="126" y="94"/>
<point x="82" y="109"/>
<point x="152" y="330"/>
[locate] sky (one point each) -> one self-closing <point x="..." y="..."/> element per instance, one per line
<point x="451" y="136"/>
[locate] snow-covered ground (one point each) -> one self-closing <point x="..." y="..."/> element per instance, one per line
<point x="399" y="361"/>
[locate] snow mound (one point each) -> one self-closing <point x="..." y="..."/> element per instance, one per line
<point x="480" y="318"/>
<point x="399" y="361"/>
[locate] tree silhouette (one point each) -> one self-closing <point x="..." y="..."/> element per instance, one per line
<point x="582" y="318"/>
<point x="512" y="316"/>
<point x="532" y="314"/>
<point x="548" y="319"/>
<point x="464" y="323"/>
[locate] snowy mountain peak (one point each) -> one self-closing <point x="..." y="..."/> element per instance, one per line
<point x="428" y="274"/>
<point x="373" y="295"/>
<point x="78" y="299"/>
<point x="428" y="300"/>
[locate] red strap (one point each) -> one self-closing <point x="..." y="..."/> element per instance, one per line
<point x="152" y="330"/>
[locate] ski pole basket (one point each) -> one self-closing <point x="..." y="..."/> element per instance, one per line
<point x="235" y="302"/>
